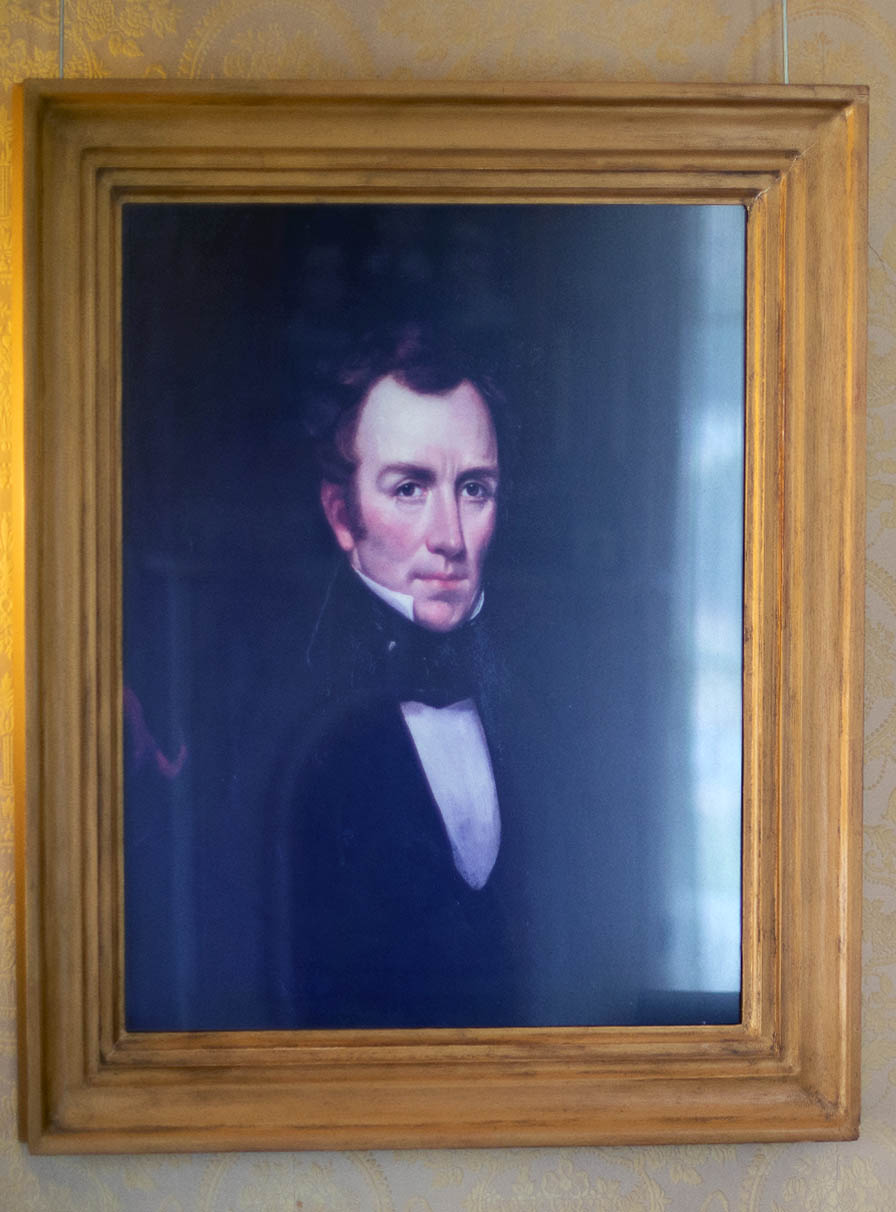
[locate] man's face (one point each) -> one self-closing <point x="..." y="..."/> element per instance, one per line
<point x="425" y="489"/>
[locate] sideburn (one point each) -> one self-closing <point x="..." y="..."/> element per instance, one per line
<point x="353" y="511"/>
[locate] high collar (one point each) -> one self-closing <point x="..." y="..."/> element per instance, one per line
<point x="403" y="602"/>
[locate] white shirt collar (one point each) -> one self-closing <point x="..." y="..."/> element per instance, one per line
<point x="403" y="602"/>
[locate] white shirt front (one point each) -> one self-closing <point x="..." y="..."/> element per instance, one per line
<point x="450" y="742"/>
<point x="454" y="755"/>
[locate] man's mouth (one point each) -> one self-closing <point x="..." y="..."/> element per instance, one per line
<point x="442" y="578"/>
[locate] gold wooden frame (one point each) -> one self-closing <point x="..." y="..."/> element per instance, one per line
<point x="796" y="159"/>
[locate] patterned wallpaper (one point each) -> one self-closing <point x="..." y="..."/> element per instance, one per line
<point x="852" y="41"/>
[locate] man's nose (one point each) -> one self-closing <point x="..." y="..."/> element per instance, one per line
<point x="445" y="534"/>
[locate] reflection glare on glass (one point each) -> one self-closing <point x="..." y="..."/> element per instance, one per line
<point x="703" y="889"/>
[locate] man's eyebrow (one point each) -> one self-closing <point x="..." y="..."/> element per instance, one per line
<point x="412" y="470"/>
<point x="426" y="475"/>
<point x="480" y="473"/>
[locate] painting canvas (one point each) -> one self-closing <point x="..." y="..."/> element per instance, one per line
<point x="552" y="838"/>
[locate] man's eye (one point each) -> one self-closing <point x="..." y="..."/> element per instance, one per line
<point x="408" y="490"/>
<point x="476" y="490"/>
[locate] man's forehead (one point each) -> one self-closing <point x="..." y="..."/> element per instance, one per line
<point x="400" y="424"/>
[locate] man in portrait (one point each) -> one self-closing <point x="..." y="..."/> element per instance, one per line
<point x="423" y="695"/>
<point x="406" y="895"/>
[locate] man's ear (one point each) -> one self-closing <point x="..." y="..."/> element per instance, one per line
<point x="332" y="498"/>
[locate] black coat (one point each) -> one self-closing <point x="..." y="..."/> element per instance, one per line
<point x="378" y="928"/>
<point x="297" y="873"/>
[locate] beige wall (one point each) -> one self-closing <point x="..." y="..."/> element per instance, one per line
<point x="853" y="41"/>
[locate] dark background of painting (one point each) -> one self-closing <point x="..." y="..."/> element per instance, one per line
<point x="589" y="313"/>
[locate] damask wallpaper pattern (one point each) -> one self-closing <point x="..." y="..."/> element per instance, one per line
<point x="707" y="40"/>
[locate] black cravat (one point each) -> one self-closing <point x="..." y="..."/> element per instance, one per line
<point x="431" y="667"/>
<point x="368" y="648"/>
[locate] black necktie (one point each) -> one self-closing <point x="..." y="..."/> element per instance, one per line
<point x="365" y="648"/>
<point x="431" y="667"/>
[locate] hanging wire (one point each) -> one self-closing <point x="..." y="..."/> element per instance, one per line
<point x="61" y="38"/>
<point x="783" y="39"/>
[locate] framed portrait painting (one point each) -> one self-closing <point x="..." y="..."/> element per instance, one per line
<point x="439" y="614"/>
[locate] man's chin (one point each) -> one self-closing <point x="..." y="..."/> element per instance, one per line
<point x="437" y="615"/>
